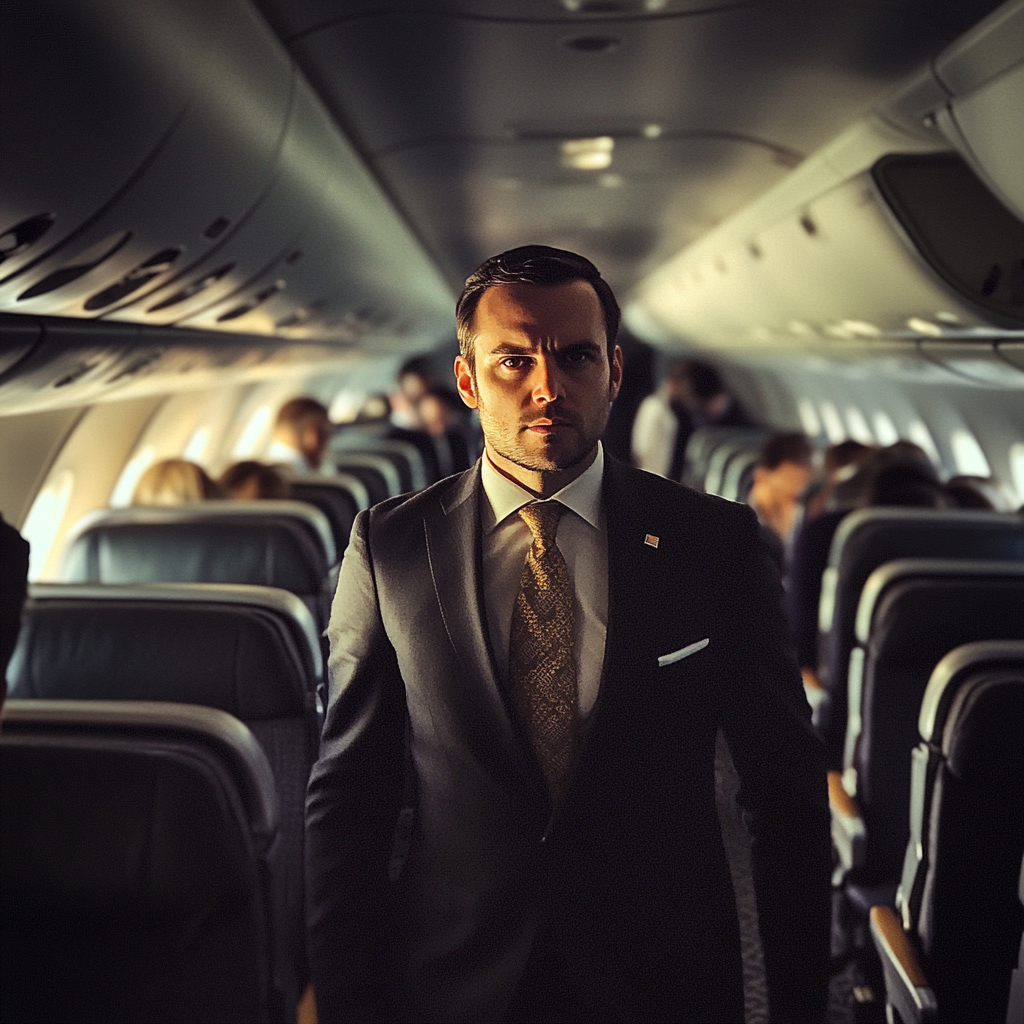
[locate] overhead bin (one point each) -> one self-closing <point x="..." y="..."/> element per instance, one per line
<point x="215" y="81"/>
<point x="242" y="208"/>
<point x="883" y="238"/>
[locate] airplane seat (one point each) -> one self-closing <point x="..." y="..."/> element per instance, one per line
<point x="911" y="613"/>
<point x="250" y="652"/>
<point x="376" y="473"/>
<point x="868" y="538"/>
<point x="340" y="501"/>
<point x="960" y="893"/>
<point x="284" y="544"/>
<point x="701" y="445"/>
<point x="424" y="444"/>
<point x="137" y="865"/>
<point x="742" y="443"/>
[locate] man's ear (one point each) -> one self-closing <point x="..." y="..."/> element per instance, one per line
<point x="465" y="382"/>
<point x="615" y="369"/>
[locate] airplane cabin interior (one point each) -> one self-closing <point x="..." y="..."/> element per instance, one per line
<point x="209" y="208"/>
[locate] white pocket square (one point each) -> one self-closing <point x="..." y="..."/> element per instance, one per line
<point x="683" y="652"/>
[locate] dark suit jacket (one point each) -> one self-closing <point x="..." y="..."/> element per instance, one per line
<point x="619" y="905"/>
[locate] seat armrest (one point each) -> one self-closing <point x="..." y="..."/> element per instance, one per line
<point x="817" y="696"/>
<point x="848" y="832"/>
<point x="906" y="987"/>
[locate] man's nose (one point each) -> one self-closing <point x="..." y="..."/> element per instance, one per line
<point x="547" y="381"/>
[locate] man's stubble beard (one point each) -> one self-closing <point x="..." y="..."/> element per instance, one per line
<point x="510" y="447"/>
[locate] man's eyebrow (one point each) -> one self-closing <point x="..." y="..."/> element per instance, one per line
<point x="510" y="348"/>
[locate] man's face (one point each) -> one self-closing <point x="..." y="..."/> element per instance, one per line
<point x="541" y="381"/>
<point x="313" y="441"/>
<point x="787" y="481"/>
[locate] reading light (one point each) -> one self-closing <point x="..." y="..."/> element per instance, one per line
<point x="588" y="154"/>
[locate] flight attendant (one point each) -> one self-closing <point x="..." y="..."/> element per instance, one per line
<point x="513" y="816"/>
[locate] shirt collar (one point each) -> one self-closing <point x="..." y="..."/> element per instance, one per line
<point x="582" y="495"/>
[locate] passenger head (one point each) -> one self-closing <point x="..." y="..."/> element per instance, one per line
<point x="250" y="481"/>
<point x="978" y="492"/>
<point x="906" y="483"/>
<point x="842" y="460"/>
<point x="783" y="471"/>
<point x="708" y="394"/>
<point x="440" y="411"/>
<point x="174" y="482"/>
<point x="303" y="425"/>
<point x="539" y="265"/>
<point x="416" y="377"/>
<point x="539" y="362"/>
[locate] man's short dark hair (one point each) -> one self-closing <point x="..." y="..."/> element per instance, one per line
<point x="532" y="264"/>
<point x="298" y="413"/>
<point x="788" y="447"/>
<point x="705" y="380"/>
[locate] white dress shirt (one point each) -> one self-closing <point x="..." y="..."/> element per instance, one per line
<point x="653" y="442"/>
<point x="582" y="538"/>
<point x="282" y="454"/>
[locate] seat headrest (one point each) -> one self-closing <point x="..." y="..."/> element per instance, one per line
<point x="953" y="670"/>
<point x="984" y="730"/>
<point x="220" y="542"/>
<point x="253" y="656"/>
<point x="130" y="810"/>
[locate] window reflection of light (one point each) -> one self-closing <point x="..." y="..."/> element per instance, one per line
<point x="808" y="417"/>
<point x="885" y="429"/>
<point x="196" y="447"/>
<point x="44" y="519"/>
<point x="833" y="423"/>
<point x="1017" y="469"/>
<point x="970" y="459"/>
<point x="858" y="425"/>
<point x="249" y="440"/>
<point x="921" y="436"/>
<point x="130" y="476"/>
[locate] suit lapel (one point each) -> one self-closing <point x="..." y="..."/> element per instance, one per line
<point x="454" y="553"/>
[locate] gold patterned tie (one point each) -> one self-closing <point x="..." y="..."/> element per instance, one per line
<point x="542" y="669"/>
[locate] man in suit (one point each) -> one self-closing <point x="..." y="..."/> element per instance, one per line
<point x="513" y="816"/>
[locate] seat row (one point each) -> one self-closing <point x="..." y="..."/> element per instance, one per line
<point x="721" y="460"/>
<point x="165" y="712"/>
<point x="903" y="589"/>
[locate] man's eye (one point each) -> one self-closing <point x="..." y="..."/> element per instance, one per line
<point x="515" y="362"/>
<point x="581" y="355"/>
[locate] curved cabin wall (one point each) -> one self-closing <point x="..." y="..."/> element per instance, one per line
<point x="165" y="163"/>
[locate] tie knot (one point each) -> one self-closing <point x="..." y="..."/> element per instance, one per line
<point x="542" y="519"/>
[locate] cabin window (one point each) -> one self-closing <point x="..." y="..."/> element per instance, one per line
<point x="44" y="520"/>
<point x="921" y="436"/>
<point x="1017" y="469"/>
<point x="809" y="417"/>
<point x="252" y="437"/>
<point x="130" y="476"/>
<point x="858" y="425"/>
<point x="970" y="459"/>
<point x="833" y="423"/>
<point x="196" y="447"/>
<point x="885" y="430"/>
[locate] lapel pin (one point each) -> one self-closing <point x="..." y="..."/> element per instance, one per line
<point x="651" y="541"/>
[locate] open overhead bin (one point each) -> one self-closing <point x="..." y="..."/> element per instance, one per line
<point x="887" y="236"/>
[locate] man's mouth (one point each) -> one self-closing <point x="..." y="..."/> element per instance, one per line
<point x="548" y="425"/>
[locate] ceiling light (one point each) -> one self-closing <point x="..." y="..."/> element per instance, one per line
<point x="611" y="181"/>
<point x="612" y="6"/>
<point x="915" y="323"/>
<point x="861" y="328"/>
<point x="947" y="317"/>
<point x="588" y="154"/>
<point x="651" y="131"/>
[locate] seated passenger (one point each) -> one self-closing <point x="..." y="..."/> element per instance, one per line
<point x="907" y="483"/>
<point x="301" y="435"/>
<point x="175" y="482"/>
<point x="978" y="492"/>
<point x="443" y="415"/>
<point x="416" y="377"/>
<point x="841" y="464"/>
<point x="781" y="476"/>
<point x="250" y="481"/>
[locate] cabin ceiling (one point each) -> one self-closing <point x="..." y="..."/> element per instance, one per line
<point x="461" y="108"/>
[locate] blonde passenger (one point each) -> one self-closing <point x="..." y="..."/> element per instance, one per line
<point x="174" y="482"/>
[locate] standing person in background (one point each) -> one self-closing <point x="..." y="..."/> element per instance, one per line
<point x="711" y="403"/>
<point x="416" y="377"/>
<point x="663" y="425"/>
<point x="302" y="432"/>
<point x="513" y="817"/>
